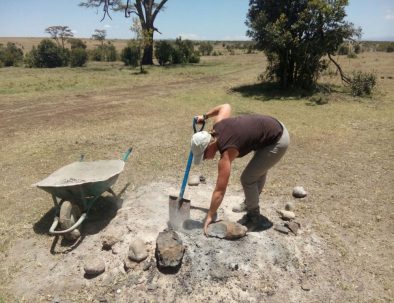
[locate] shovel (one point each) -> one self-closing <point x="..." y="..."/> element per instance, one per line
<point x="179" y="208"/>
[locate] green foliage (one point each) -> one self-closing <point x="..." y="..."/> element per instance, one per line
<point x="106" y="52"/>
<point x="131" y="55"/>
<point x="184" y="52"/>
<point x="48" y="54"/>
<point x="362" y="84"/>
<point x="76" y="43"/>
<point x="78" y="57"/>
<point x="163" y="52"/>
<point x="390" y="48"/>
<point x="343" y="49"/>
<point x="11" y="55"/>
<point x="295" y="35"/>
<point x="205" y="48"/>
<point x="357" y="48"/>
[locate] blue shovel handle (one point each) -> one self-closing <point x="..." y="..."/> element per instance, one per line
<point x="189" y="160"/>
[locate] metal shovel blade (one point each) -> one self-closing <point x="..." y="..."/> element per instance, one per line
<point x="179" y="210"/>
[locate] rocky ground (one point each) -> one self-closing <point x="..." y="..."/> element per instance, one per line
<point x="265" y="265"/>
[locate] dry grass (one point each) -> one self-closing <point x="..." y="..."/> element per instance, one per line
<point x="341" y="152"/>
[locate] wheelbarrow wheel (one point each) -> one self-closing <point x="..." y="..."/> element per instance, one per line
<point x="69" y="215"/>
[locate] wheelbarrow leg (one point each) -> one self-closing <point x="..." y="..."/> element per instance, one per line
<point x="112" y="192"/>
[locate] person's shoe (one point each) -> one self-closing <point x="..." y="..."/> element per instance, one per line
<point x="255" y="222"/>
<point x="240" y="208"/>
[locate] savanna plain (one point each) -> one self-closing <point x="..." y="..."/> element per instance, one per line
<point x="341" y="152"/>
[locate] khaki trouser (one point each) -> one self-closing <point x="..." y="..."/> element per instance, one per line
<point x="254" y="175"/>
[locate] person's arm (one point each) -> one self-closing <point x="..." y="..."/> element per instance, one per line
<point x="219" y="112"/>
<point x="224" y="170"/>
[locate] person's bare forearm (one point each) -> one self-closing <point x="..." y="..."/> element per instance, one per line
<point x="216" y="200"/>
<point x="218" y="112"/>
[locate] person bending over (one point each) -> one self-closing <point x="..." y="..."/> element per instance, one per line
<point x="235" y="137"/>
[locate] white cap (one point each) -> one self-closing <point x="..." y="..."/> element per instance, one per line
<point x="199" y="143"/>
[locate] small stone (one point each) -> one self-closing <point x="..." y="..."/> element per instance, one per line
<point x="234" y="266"/>
<point x="281" y="228"/>
<point x="299" y="192"/>
<point x="169" y="249"/>
<point x="118" y="291"/>
<point x="137" y="251"/>
<point x="147" y="264"/>
<point x="293" y="226"/>
<point x="226" y="230"/>
<point x="193" y="180"/>
<point x="306" y="286"/>
<point x="128" y="264"/>
<point x="109" y="239"/>
<point x="94" y="266"/>
<point x="289" y="206"/>
<point x="286" y="215"/>
<point x="203" y="179"/>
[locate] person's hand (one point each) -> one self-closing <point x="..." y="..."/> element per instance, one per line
<point x="200" y="119"/>
<point x="208" y="220"/>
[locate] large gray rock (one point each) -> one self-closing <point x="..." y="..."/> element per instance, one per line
<point x="94" y="266"/>
<point x="137" y="250"/>
<point x="226" y="230"/>
<point x="169" y="249"/>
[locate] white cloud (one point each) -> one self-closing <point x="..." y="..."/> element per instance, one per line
<point x="107" y="26"/>
<point x="235" y="38"/>
<point x="190" y="36"/>
<point x="389" y="17"/>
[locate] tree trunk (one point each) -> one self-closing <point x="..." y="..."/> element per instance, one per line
<point x="147" y="58"/>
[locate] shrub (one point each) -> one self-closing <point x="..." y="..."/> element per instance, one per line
<point x="163" y="52"/>
<point x="178" y="57"/>
<point x="48" y="54"/>
<point x="343" y="50"/>
<point x="194" y="58"/>
<point x="10" y="55"/>
<point x="76" y="43"/>
<point x="131" y="55"/>
<point x="390" y="48"/>
<point x="78" y="57"/>
<point x="362" y="83"/>
<point x="105" y="52"/>
<point x="205" y="48"/>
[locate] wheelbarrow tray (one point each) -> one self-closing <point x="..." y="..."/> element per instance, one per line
<point x="82" y="179"/>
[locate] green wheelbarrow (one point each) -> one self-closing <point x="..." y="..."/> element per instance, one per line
<point x="75" y="188"/>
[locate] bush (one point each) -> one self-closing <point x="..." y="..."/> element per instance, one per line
<point x="184" y="52"/>
<point x="352" y="55"/>
<point x="48" y="54"/>
<point x="105" y="52"/>
<point x="194" y="58"/>
<point x="362" y="83"/>
<point x="343" y="50"/>
<point x="78" y="57"/>
<point x="10" y="55"/>
<point x="205" y="48"/>
<point x="131" y="55"/>
<point x="390" y="48"/>
<point x="76" y="43"/>
<point x="163" y="52"/>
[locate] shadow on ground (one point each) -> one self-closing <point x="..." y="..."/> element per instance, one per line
<point x="268" y="91"/>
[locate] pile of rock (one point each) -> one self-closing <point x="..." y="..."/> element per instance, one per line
<point x="288" y="215"/>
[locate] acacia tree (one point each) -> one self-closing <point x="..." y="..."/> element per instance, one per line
<point x="59" y="32"/>
<point x="145" y="10"/>
<point x="295" y="35"/>
<point x="99" y="35"/>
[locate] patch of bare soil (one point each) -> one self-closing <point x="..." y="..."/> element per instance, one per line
<point x="263" y="266"/>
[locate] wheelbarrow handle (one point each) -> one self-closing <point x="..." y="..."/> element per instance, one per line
<point x="195" y="125"/>
<point x="127" y="154"/>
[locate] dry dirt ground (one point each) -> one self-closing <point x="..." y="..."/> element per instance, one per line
<point x="341" y="152"/>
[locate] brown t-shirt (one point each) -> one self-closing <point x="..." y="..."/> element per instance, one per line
<point x="247" y="133"/>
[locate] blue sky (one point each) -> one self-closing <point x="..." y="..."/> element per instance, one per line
<point x="192" y="19"/>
